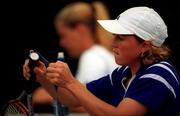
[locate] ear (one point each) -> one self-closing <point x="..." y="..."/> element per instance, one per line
<point x="78" y="30"/>
<point x="146" y="45"/>
<point x="81" y="28"/>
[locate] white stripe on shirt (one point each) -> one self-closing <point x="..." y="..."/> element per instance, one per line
<point x="166" y="68"/>
<point x="163" y="62"/>
<point x="110" y="77"/>
<point x="124" y="69"/>
<point x="160" y="79"/>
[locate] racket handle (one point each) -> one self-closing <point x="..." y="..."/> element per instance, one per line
<point x="30" y="105"/>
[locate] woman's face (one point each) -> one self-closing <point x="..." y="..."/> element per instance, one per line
<point x="70" y="39"/>
<point x="126" y="49"/>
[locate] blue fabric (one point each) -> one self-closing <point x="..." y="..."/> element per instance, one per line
<point x="101" y="88"/>
<point x="156" y="86"/>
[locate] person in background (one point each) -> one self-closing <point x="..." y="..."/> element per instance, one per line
<point x="146" y="84"/>
<point x="76" y="25"/>
<point x="83" y="39"/>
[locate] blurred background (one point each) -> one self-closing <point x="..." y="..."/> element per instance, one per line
<point x="29" y="24"/>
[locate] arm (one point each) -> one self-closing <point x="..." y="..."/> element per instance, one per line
<point x="59" y="74"/>
<point x="64" y="95"/>
<point x="98" y="107"/>
<point x="79" y="109"/>
<point x="41" y="96"/>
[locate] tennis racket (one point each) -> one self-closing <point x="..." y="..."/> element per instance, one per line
<point x="22" y="105"/>
<point x="16" y="107"/>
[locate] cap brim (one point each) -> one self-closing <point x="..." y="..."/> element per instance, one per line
<point x="113" y="26"/>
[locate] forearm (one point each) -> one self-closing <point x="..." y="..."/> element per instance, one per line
<point x="48" y="87"/>
<point x="91" y="103"/>
<point x="67" y="98"/>
<point x="41" y="96"/>
<point x="77" y="109"/>
<point x="59" y="74"/>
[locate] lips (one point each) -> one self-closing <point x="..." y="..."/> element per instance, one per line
<point x="115" y="52"/>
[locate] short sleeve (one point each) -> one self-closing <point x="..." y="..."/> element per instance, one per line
<point x="150" y="92"/>
<point x="101" y="88"/>
<point x="91" y="67"/>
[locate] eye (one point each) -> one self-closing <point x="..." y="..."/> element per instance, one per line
<point x="119" y="38"/>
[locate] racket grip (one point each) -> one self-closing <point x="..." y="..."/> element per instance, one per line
<point x="30" y="105"/>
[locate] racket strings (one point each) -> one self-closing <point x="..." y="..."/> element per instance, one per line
<point x="11" y="109"/>
<point x="16" y="109"/>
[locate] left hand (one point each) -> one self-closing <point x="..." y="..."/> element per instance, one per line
<point x="59" y="74"/>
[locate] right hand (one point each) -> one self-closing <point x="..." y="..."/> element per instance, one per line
<point x="40" y="70"/>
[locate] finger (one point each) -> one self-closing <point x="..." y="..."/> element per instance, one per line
<point x="56" y="81"/>
<point x="25" y="66"/>
<point x="57" y="64"/>
<point x="53" y="81"/>
<point x="52" y="65"/>
<point x="39" y="72"/>
<point x="50" y="76"/>
<point x="25" y="74"/>
<point x="26" y="62"/>
<point x="62" y="64"/>
<point x="41" y="65"/>
<point x="54" y="70"/>
<point x="26" y="70"/>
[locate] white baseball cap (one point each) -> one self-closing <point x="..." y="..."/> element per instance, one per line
<point x="141" y="21"/>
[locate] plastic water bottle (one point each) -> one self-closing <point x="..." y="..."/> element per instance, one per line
<point x="58" y="107"/>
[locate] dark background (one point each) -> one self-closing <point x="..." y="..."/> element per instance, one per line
<point x="28" y="24"/>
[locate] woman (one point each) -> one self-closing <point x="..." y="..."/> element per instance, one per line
<point x="146" y="84"/>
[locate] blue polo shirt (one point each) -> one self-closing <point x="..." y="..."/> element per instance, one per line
<point x="156" y="86"/>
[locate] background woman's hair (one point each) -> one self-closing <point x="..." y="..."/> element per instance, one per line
<point x="154" y="54"/>
<point x="87" y="14"/>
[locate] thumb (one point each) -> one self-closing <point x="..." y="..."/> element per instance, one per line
<point x="41" y="65"/>
<point x="39" y="72"/>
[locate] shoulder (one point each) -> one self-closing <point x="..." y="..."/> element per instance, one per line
<point x="161" y="74"/>
<point x="163" y="69"/>
<point x="166" y="65"/>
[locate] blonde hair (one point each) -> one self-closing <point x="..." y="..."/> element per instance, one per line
<point x="155" y="54"/>
<point x="82" y="12"/>
<point x="102" y="13"/>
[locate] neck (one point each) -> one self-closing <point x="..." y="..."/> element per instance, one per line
<point x="135" y="67"/>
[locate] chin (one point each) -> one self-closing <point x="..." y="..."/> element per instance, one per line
<point x="119" y="62"/>
<point x="73" y="55"/>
